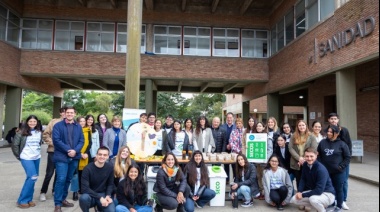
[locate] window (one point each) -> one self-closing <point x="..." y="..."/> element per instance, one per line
<point x="100" y="37"/>
<point x="273" y="40"/>
<point x="289" y="27"/>
<point x="69" y="35"/>
<point x="197" y="41"/>
<point x="37" y="34"/>
<point x="167" y="40"/>
<point x="327" y="8"/>
<point x="9" y="26"/>
<point x="254" y="43"/>
<point x="3" y="22"/>
<point x="311" y="13"/>
<point x="122" y="29"/>
<point x="280" y="34"/>
<point x="226" y="42"/>
<point x="300" y="18"/>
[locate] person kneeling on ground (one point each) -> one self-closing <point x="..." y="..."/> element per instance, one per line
<point x="245" y="182"/>
<point x="277" y="184"/>
<point x="131" y="192"/>
<point x="97" y="183"/>
<point x="315" y="188"/>
<point x="170" y="185"/>
<point x="197" y="179"/>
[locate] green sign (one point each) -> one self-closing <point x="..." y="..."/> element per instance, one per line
<point x="256" y="147"/>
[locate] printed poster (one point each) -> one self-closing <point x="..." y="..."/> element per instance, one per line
<point x="256" y="144"/>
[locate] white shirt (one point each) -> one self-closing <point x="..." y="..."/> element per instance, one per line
<point x="32" y="149"/>
<point x="179" y="141"/>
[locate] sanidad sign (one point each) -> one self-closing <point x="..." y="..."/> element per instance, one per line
<point x="344" y="38"/>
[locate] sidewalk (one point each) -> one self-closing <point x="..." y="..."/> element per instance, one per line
<point x="368" y="171"/>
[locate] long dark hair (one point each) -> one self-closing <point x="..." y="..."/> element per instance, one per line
<point x="239" y="169"/>
<point x="178" y="177"/>
<point x="108" y="123"/>
<point x="26" y="130"/>
<point x="93" y="129"/>
<point x="184" y="123"/>
<point x="191" y="170"/>
<point x="253" y="128"/>
<point x="138" y="186"/>
<point x="198" y="127"/>
<point x="173" y="131"/>
<point x="270" y="158"/>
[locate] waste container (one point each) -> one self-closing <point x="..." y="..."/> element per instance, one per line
<point x="218" y="184"/>
<point x="151" y="180"/>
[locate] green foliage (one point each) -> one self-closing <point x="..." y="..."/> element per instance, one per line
<point x="43" y="116"/>
<point x="209" y="105"/>
<point x="34" y="101"/>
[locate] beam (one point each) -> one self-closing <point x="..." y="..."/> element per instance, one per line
<point x="179" y="86"/>
<point x="204" y="87"/>
<point x="214" y="5"/>
<point x="154" y="85"/>
<point x="149" y="4"/>
<point x="228" y="87"/>
<point x="99" y="83"/>
<point x="122" y="82"/>
<point x="114" y="3"/>
<point x="183" y="5"/>
<point x="71" y="82"/>
<point x="83" y="3"/>
<point x="245" y="6"/>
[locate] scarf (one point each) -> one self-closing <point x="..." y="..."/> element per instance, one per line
<point x="87" y="138"/>
<point x="171" y="172"/>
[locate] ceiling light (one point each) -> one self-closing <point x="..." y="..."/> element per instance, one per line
<point x="301" y="97"/>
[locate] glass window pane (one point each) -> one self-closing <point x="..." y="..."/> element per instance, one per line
<point x="173" y="47"/>
<point x="93" y="41"/>
<point x="232" y="48"/>
<point x="44" y="39"/>
<point x="62" y="40"/>
<point x="76" y="40"/>
<point x="93" y="26"/>
<point x="300" y="8"/>
<point x="219" y="47"/>
<point x="232" y="33"/>
<point x="29" y="39"/>
<point x="300" y="18"/>
<point x="160" y="44"/>
<point x="75" y="25"/>
<point x="273" y="40"/>
<point x="27" y="23"/>
<point x="247" y="48"/>
<point x="261" y="49"/>
<point x="312" y="14"/>
<point x="159" y="30"/>
<point x="108" y="27"/>
<point x="327" y="8"/>
<point x="65" y="25"/>
<point x="190" y="31"/>
<point x="3" y="25"/>
<point x="220" y="32"/>
<point x="245" y="33"/>
<point x="45" y="24"/>
<point x="175" y="30"/>
<point x="121" y="43"/>
<point x="107" y="42"/>
<point x="204" y="31"/>
<point x="142" y="50"/>
<point x="3" y="12"/>
<point x="122" y="27"/>
<point x="289" y="27"/>
<point x="204" y="47"/>
<point x="13" y="34"/>
<point x="143" y="28"/>
<point x="14" y="18"/>
<point x="262" y="34"/>
<point x="190" y="46"/>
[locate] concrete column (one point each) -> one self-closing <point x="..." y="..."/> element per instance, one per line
<point x="132" y="75"/>
<point x="305" y="114"/>
<point x="57" y="104"/>
<point x="149" y="37"/>
<point x="154" y="105"/>
<point x="245" y="111"/>
<point x="13" y="108"/>
<point x="260" y="117"/>
<point x="149" y="95"/>
<point x="273" y="106"/>
<point x="346" y="100"/>
<point x="3" y="89"/>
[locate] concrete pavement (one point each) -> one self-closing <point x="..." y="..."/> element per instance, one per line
<point x="363" y="196"/>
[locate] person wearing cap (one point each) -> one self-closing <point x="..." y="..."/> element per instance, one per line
<point x="335" y="156"/>
<point x="344" y="135"/>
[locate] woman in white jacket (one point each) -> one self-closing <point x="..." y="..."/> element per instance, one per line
<point x="277" y="185"/>
<point x="202" y="136"/>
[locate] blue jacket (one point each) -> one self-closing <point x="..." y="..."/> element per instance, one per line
<point x="315" y="180"/>
<point x="61" y="144"/>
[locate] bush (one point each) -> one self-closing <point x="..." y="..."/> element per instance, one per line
<point x="41" y="115"/>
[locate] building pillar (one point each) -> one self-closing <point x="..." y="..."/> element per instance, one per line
<point x="149" y="95"/>
<point x="154" y="104"/>
<point x="346" y="100"/>
<point x="273" y="106"/>
<point x="57" y="104"/>
<point x="13" y="108"/>
<point x="149" y="37"/>
<point x="260" y="117"/>
<point x="3" y="89"/>
<point x="245" y="111"/>
<point x="132" y="75"/>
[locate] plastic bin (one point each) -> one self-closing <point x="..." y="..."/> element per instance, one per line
<point x="218" y="184"/>
<point x="151" y="180"/>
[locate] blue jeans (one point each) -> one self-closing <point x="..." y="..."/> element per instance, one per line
<point x="338" y="181"/>
<point x="292" y="177"/>
<point x="206" y="196"/>
<point x="138" y="208"/>
<point x="31" y="168"/>
<point x="86" y="202"/>
<point x="244" y="191"/>
<point x="345" y="185"/>
<point x="74" y="186"/>
<point x="64" y="172"/>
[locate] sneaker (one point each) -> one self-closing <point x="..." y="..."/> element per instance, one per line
<point x="196" y="205"/>
<point x="42" y="197"/>
<point x="247" y="204"/>
<point x="344" y="206"/>
<point x="67" y="204"/>
<point x="337" y="209"/>
<point x="280" y="207"/>
<point x="330" y="209"/>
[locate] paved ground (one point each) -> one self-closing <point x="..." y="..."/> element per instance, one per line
<point x="363" y="196"/>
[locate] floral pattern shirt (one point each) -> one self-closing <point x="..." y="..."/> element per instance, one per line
<point x="236" y="139"/>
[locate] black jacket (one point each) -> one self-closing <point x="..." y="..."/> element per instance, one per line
<point x="168" y="145"/>
<point x="130" y="200"/>
<point x="250" y="180"/>
<point x="344" y="135"/>
<point x="284" y="161"/>
<point x="334" y="155"/>
<point x="168" y="187"/>
<point x="220" y="139"/>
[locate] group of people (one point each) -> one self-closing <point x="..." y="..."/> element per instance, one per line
<point x="110" y="180"/>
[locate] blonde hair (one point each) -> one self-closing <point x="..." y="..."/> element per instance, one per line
<point x="119" y="170"/>
<point x="116" y="118"/>
<point x="239" y="120"/>
<point x="275" y="128"/>
<point x="298" y="138"/>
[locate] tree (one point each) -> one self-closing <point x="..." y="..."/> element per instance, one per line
<point x="209" y="105"/>
<point x="33" y="101"/>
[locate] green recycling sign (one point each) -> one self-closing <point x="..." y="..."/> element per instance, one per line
<point x="256" y="144"/>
